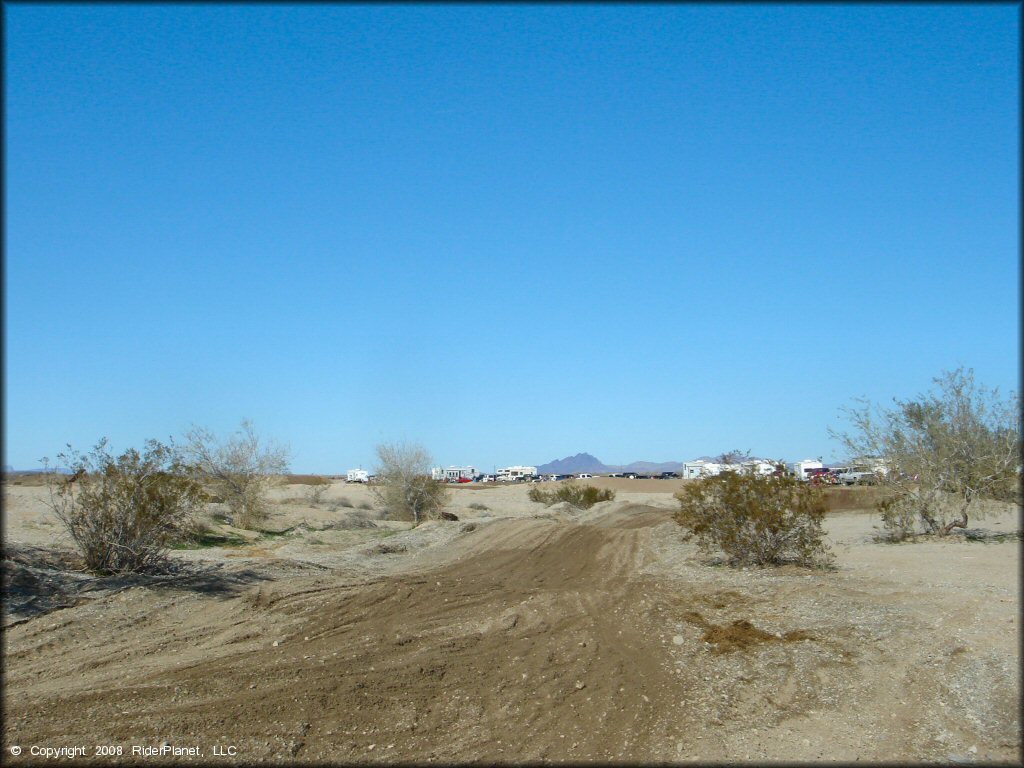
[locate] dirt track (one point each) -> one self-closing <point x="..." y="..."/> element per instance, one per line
<point x="595" y="636"/>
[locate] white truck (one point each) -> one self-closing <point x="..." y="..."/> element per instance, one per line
<point x="858" y="476"/>
<point x="357" y="476"/>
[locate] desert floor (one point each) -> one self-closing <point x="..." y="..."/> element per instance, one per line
<point x="518" y="633"/>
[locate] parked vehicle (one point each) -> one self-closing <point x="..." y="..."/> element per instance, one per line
<point x="516" y="474"/>
<point x="821" y="476"/>
<point x="669" y="475"/>
<point x="802" y="470"/>
<point x="584" y="476"/>
<point x="357" y="476"/>
<point x="857" y="476"/>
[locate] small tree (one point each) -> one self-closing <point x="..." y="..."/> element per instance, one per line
<point x="943" y="451"/>
<point x="754" y="519"/>
<point x="239" y="469"/>
<point x="124" y="512"/>
<point x="404" y="486"/>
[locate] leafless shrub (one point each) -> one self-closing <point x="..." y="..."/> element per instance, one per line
<point x="404" y="486"/>
<point x="315" y="492"/>
<point x="240" y="469"/>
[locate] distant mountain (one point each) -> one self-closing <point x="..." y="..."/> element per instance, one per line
<point x="584" y="462"/>
<point x="573" y="465"/>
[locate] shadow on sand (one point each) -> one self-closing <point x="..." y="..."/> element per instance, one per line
<point x="39" y="580"/>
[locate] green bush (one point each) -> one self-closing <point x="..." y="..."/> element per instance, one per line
<point x="755" y="520"/>
<point x="578" y="496"/>
<point x="124" y="513"/>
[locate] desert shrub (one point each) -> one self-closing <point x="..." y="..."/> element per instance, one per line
<point x="478" y="505"/>
<point x="124" y="513"/>
<point x="355" y="524"/>
<point x="943" y="452"/>
<point x="899" y="516"/>
<point x="404" y="486"/>
<point x="755" y="520"/>
<point x="315" y="491"/>
<point x="578" y="496"/>
<point x="239" y="469"/>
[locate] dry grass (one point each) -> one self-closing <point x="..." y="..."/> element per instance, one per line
<point x="849" y="498"/>
<point x="740" y="634"/>
<point x="27" y="479"/>
<point x="306" y="480"/>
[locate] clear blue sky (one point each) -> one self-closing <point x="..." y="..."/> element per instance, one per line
<point x="508" y="233"/>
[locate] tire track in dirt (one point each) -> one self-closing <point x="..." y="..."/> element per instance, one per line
<point x="505" y="648"/>
<point x="576" y="637"/>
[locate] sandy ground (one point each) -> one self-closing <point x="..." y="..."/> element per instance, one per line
<point x="518" y="633"/>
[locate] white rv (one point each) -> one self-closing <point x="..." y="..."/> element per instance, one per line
<point x="357" y="476"/>
<point x="799" y="468"/>
<point x="757" y="467"/>
<point x="695" y="470"/>
<point x="454" y="474"/>
<point x="516" y="474"/>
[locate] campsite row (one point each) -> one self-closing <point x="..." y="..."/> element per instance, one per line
<point x="863" y="470"/>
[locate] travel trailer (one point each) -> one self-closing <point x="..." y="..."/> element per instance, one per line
<point x="454" y="474"/>
<point x="800" y="468"/>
